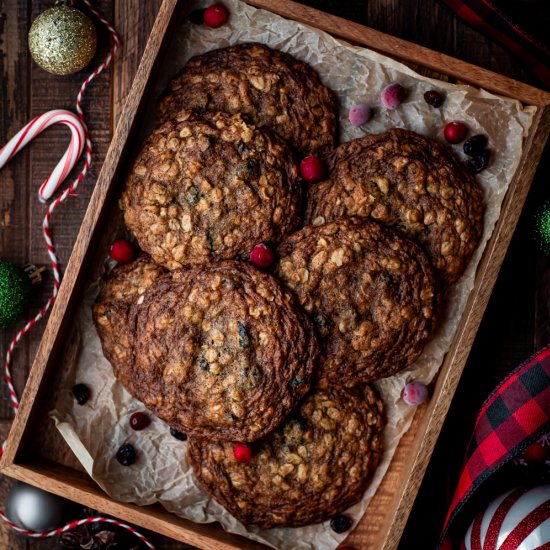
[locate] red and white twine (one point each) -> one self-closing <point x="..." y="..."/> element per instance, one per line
<point x="80" y="139"/>
<point x="74" y="524"/>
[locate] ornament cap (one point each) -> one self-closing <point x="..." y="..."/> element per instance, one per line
<point x="34" y="273"/>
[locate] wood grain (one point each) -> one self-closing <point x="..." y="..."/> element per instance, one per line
<point x="15" y="178"/>
<point x="405" y="19"/>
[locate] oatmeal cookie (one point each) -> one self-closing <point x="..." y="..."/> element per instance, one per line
<point x="412" y="183"/>
<point x="314" y="466"/>
<point x="370" y="292"/>
<point x="222" y="352"/>
<point x="208" y="187"/>
<point x="268" y="87"/>
<point x="122" y="287"/>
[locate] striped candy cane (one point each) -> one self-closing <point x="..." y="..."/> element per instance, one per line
<point x="80" y="140"/>
<point x="69" y="159"/>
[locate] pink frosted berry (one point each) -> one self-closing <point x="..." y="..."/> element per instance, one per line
<point x="393" y="95"/>
<point x="312" y="169"/>
<point x="262" y="255"/>
<point x="360" y="114"/>
<point x="415" y="393"/>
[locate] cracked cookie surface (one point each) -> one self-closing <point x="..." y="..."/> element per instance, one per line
<point x="122" y="288"/>
<point x="209" y="187"/>
<point x="222" y="352"/>
<point x="268" y="87"/>
<point x="410" y="182"/>
<point x="369" y="291"/>
<point x="315" y="465"/>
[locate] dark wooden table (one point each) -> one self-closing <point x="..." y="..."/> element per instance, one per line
<point x="516" y="323"/>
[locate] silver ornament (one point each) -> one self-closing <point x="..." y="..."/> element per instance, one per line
<point x="33" y="509"/>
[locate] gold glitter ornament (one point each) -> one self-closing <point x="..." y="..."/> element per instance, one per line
<point x="62" y="40"/>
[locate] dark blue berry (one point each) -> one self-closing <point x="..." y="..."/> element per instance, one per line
<point x="478" y="163"/>
<point x="197" y="17"/>
<point x="433" y="98"/>
<point x="340" y="524"/>
<point x="126" y="455"/>
<point x="81" y="393"/>
<point x="475" y="145"/>
<point x="178" y="435"/>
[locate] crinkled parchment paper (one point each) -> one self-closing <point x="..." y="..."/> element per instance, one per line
<point x="95" y="431"/>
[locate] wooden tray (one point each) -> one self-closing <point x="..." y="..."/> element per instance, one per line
<point x="391" y="505"/>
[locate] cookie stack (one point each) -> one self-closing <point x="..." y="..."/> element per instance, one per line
<point x="268" y="373"/>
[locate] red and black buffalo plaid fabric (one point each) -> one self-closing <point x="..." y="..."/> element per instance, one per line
<point x="520" y="26"/>
<point x="512" y="418"/>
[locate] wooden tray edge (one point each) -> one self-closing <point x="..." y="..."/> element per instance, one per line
<point x="406" y="51"/>
<point x="79" y="487"/>
<point x="455" y="360"/>
<point x="74" y="269"/>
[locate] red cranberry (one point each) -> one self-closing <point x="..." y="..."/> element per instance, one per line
<point x="139" y="421"/>
<point x="215" y="16"/>
<point x="262" y="255"/>
<point x="455" y="132"/>
<point x="242" y="453"/>
<point x="312" y="168"/>
<point x="121" y="251"/>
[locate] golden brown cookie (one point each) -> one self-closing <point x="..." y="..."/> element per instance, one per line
<point x="410" y="182"/>
<point x="208" y="187"/>
<point x="369" y="291"/>
<point x="222" y="352"/>
<point x="268" y="87"/>
<point x="123" y="287"/>
<point x="316" y="465"/>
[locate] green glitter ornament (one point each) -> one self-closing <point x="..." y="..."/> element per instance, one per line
<point x="15" y="292"/>
<point x="542" y="228"/>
